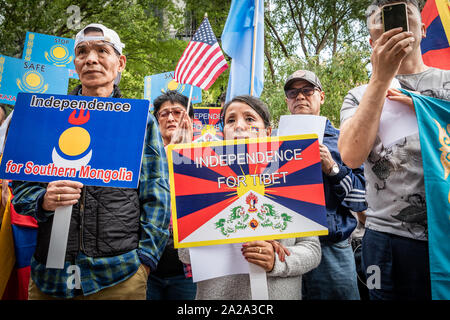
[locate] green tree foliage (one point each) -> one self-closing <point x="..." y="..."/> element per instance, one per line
<point x="328" y="37"/>
<point x="346" y="70"/>
<point x="148" y="46"/>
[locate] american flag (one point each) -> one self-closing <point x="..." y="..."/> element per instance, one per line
<point x="202" y="61"/>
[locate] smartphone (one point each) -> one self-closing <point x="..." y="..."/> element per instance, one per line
<point x="395" y="15"/>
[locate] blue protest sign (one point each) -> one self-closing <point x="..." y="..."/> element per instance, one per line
<point x="157" y="84"/>
<point x="28" y="76"/>
<point x="57" y="51"/>
<point x="96" y="141"/>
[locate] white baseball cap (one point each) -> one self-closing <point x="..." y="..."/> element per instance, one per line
<point x="109" y="36"/>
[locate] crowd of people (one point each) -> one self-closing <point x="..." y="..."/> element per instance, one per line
<point x="121" y="239"/>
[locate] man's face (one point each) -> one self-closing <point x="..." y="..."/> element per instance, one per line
<point x="303" y="103"/>
<point x="376" y="29"/>
<point x="96" y="62"/>
<point x="169" y="116"/>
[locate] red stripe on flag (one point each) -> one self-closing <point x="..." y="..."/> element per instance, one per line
<point x="179" y="70"/>
<point x="310" y="155"/>
<point x="191" y="62"/>
<point x="429" y="12"/>
<point x="204" y="63"/>
<point x="193" y="221"/>
<point x="312" y="193"/>
<point x="216" y="75"/>
<point x="437" y="58"/>
<point x="213" y="72"/>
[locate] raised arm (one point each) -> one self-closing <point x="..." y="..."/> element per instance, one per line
<point x="358" y="133"/>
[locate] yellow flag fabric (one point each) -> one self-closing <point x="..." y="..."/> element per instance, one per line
<point x="7" y="256"/>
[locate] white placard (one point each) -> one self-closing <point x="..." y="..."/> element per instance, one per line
<point x="302" y="124"/>
<point x="217" y="261"/>
<point x="58" y="238"/>
<point x="258" y="282"/>
<point x="397" y="121"/>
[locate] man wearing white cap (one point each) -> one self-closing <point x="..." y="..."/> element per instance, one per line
<point x="116" y="235"/>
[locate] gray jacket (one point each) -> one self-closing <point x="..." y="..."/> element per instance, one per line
<point x="284" y="281"/>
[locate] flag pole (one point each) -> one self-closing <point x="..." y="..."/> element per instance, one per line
<point x="192" y="87"/>
<point x="255" y="33"/>
<point x="190" y="98"/>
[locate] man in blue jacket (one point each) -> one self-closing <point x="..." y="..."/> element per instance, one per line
<point x="335" y="277"/>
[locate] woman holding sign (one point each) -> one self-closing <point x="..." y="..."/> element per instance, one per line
<point x="248" y="117"/>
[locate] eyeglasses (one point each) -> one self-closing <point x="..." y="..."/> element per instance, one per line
<point x="176" y="113"/>
<point x="306" y="91"/>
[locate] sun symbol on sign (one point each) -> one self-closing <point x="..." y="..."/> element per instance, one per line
<point x="173" y="85"/>
<point x="74" y="142"/>
<point x="59" y="56"/>
<point x="32" y="81"/>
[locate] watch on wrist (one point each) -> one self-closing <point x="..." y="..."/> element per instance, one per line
<point x="334" y="170"/>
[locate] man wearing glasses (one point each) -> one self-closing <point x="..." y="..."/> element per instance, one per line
<point x="335" y="278"/>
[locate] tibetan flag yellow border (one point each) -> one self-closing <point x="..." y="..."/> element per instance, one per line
<point x="443" y="7"/>
<point x="234" y="191"/>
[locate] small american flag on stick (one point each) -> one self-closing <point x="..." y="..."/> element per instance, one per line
<point x="202" y="61"/>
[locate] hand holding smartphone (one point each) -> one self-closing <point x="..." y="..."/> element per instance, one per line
<point x="395" y="15"/>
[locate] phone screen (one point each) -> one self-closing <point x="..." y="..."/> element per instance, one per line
<point x="395" y="16"/>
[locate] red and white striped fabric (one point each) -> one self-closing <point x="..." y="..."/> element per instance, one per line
<point x="202" y="61"/>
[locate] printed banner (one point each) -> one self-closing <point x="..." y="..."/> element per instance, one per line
<point x="96" y="141"/>
<point x="207" y="124"/>
<point x="433" y="117"/>
<point x="56" y="51"/>
<point x="245" y="190"/>
<point x="157" y="84"/>
<point x="28" y="76"/>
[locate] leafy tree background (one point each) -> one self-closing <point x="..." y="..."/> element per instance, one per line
<point x="326" y="36"/>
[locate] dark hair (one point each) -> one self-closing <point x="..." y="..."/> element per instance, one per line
<point x="173" y="97"/>
<point x="379" y="3"/>
<point x="256" y="104"/>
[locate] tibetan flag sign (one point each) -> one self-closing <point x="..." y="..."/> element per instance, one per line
<point x="254" y="189"/>
<point x="207" y="124"/>
<point x="436" y="46"/>
<point x="157" y="84"/>
<point x="57" y="51"/>
<point x="96" y="141"/>
<point x="202" y="60"/>
<point x="433" y="117"/>
<point x="28" y="76"/>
